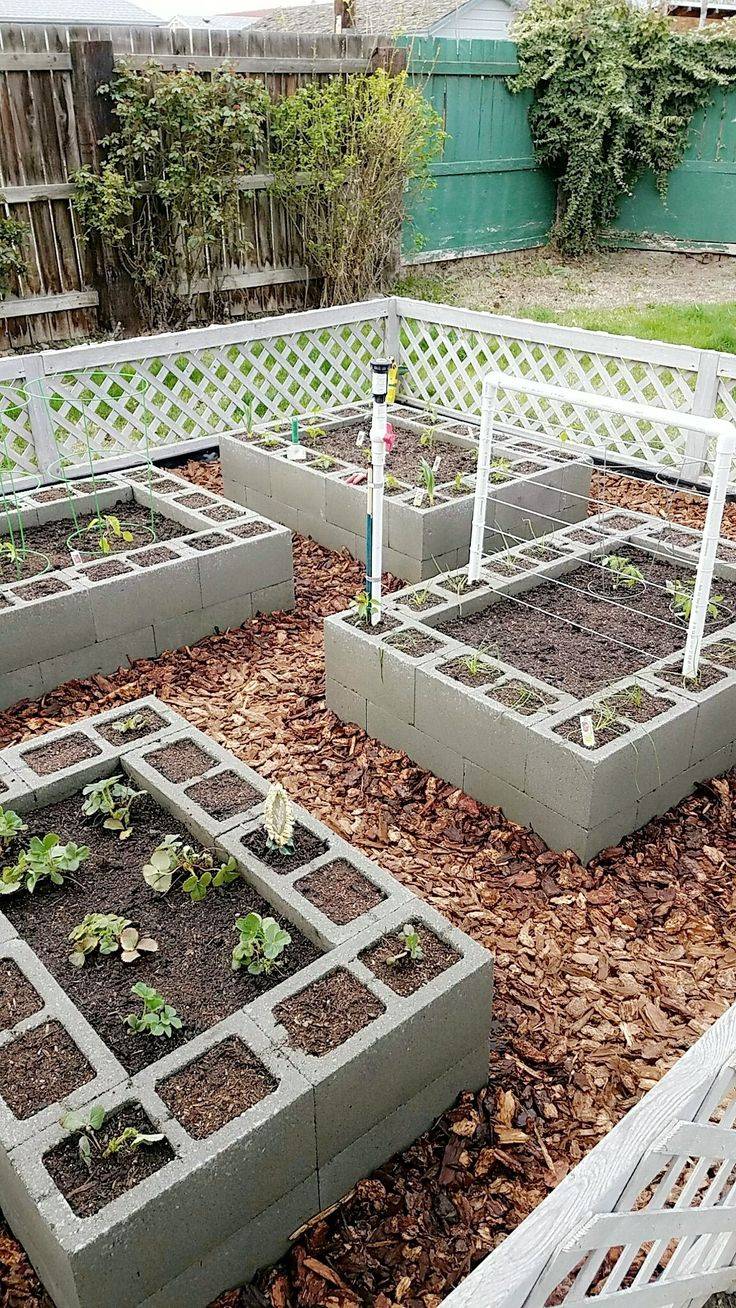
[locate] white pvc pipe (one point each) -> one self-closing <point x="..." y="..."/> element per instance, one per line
<point x="378" y="462"/>
<point x="725" y="450"/>
<point x="485" y="444"/>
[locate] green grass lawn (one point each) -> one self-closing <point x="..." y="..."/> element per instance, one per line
<point x="706" y="326"/>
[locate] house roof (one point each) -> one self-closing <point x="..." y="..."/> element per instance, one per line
<point x="379" y="16"/>
<point x="63" y="13"/>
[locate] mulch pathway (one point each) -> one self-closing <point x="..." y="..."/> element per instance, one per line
<point x="604" y="974"/>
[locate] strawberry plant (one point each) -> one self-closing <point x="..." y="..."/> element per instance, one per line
<point x="157" y="1018"/>
<point x="45" y="859"/>
<point x="107" y="531"/>
<point x="261" y="943"/>
<point x="108" y="933"/>
<point x="11" y="826"/>
<point x="196" y="869"/>
<point x="411" y="946"/>
<point x="112" y="799"/>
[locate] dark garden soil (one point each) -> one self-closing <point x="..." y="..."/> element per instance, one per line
<point x="724" y="652"/>
<point x="414" y="643"/>
<point x="458" y="670"/>
<point x="192" y="967"/>
<point x="212" y="541"/>
<point x="88" y="1189"/>
<point x="224" y="794"/>
<point x="156" y="555"/>
<point x="106" y="570"/>
<point x="604" y="974"/>
<point x="181" y="761"/>
<point x="571" y="730"/>
<point x="328" y="1012"/>
<point x="39" y="1067"/>
<point x="389" y="961"/>
<point x="119" y="733"/>
<point x="222" y="513"/>
<point x="707" y="676"/>
<point x="50" y="539"/>
<point x="306" y="848"/>
<point x="214" y="1089"/>
<point x="519" y="695"/>
<point x="405" y="459"/>
<point x="638" y="705"/>
<point x="247" y="529"/>
<point x="582" y="636"/>
<point x="18" y="998"/>
<point x="340" y="891"/>
<point x="41" y="589"/>
<point x="60" y="754"/>
<point x="420" y="600"/>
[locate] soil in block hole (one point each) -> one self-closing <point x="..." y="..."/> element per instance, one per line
<point x="214" y="1089"/>
<point x="328" y="1012"/>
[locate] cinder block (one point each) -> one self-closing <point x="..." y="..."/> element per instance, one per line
<point x="359" y="661"/>
<point x="346" y="703"/>
<point x="423" y="749"/>
<point x="102" y="656"/>
<point x="65" y="619"/>
<point x="165" y="590"/>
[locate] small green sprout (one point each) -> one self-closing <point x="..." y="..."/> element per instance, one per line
<point x="107" y="529"/>
<point x="198" y="868"/>
<point x="45" y="859"/>
<point x="130" y="1141"/>
<point x="472" y="664"/>
<point x="314" y="434"/>
<point x="271" y="443"/>
<point x="682" y="598"/>
<point x="324" y="462"/>
<point x="12" y="552"/>
<point x="391" y="483"/>
<point x="112" y="799"/>
<point x="157" y="1017"/>
<point x="428" y="481"/>
<point x="108" y="933"/>
<point x="11" y="826"/>
<point x="90" y="1121"/>
<point x="500" y="469"/>
<point x="364" y="605"/>
<point x="419" y="599"/>
<point x="260" y="945"/>
<point x="411" y="950"/>
<point x="458" y="485"/>
<point x="458" y="584"/>
<point x="428" y="438"/>
<point x="126" y="725"/>
<point x="624" y="574"/>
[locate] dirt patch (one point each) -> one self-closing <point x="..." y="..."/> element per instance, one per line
<point x="40" y="589"/>
<point x="63" y="753"/>
<point x="466" y="671"/>
<point x="340" y="891"/>
<point x="248" y="529"/>
<point x="40" y="1067"/>
<point x="131" y="726"/>
<point x="223" y="795"/>
<point x="150" y="558"/>
<point x="414" y="643"/>
<point x="50" y="539"/>
<point x="209" y="1092"/>
<point x="327" y="1013"/>
<point x="104" y="571"/>
<point x="405" y="459"/>
<point x="392" y="964"/>
<point x="306" y="848"/>
<point x="88" y="1189"/>
<point x="181" y="761"/>
<point x="211" y="542"/>
<point x="192" y="967"/>
<point x="18" y="998"/>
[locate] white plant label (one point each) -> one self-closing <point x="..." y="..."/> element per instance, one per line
<point x="436" y="464"/>
<point x="586" y="730"/>
<point x="361" y="438"/>
<point x="418" y="499"/>
<point x="76" y="557"/>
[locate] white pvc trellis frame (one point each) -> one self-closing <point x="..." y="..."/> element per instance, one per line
<point x="724" y="434"/>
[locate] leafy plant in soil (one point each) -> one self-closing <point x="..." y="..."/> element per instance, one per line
<point x="261" y="943"/>
<point x="11" y="826"/>
<point x="324" y="462"/>
<point x="45" y="859"/>
<point x="11" y="552"/>
<point x="624" y="574"/>
<point x="112" y="799"/>
<point x="89" y="1122"/>
<point x="500" y="469"/>
<point x="457" y="584"/>
<point x="428" y="481"/>
<point x="682" y="599"/>
<point x="419" y="599"/>
<point x="108" y="933"/>
<point x="197" y="869"/>
<point x="107" y="530"/>
<point x="157" y="1017"/>
<point x="363" y="605"/>
<point x="411" y="948"/>
<point x="126" y="725"/>
<point x="315" y="434"/>
<point x="428" y="438"/>
<point x="391" y="482"/>
<point x="278" y="820"/>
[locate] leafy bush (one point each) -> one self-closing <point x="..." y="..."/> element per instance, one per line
<point x="12" y="259"/>
<point x="615" y="88"/>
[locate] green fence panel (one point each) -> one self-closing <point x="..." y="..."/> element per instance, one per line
<point x="489" y="194"/>
<point x="699" y="211"/>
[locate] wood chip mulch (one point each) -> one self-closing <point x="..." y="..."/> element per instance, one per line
<point x="604" y="974"/>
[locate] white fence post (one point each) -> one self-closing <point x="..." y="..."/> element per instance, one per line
<point x="725" y="450"/>
<point x="485" y="444"/>
<point x="704" y="403"/>
<point x="39" y="416"/>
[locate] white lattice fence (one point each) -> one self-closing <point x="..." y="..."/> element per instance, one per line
<point x="648" y="1218"/>
<point x="446" y="352"/>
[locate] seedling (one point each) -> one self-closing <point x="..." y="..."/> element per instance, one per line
<point x="271" y="442"/>
<point x="458" y="485"/>
<point x="412" y="949"/>
<point x="107" y="530"/>
<point x="500" y="469"/>
<point x="198" y="868"/>
<point x="126" y="725"/>
<point x="10" y="827"/>
<point x="624" y="574"/>
<point x="428" y="481"/>
<point x="261" y="943"/>
<point x="606" y="718"/>
<point x="419" y="599"/>
<point x="428" y="438"/>
<point x="324" y="462"/>
<point x="157" y="1017"/>
<point x="111" y="799"/>
<point x="278" y="820"/>
<point x="89" y="1122"/>
<point x="473" y="664"/>
<point x="44" y="860"/>
<point x="314" y="434"/>
<point x="391" y="483"/>
<point x="108" y="933"/>
<point x="457" y="584"/>
<point x="12" y="552"/>
<point x="682" y="598"/>
<point x="363" y="604"/>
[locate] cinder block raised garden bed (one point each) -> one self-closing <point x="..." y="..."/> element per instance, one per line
<point x="535" y="486"/>
<point x="79" y="594"/>
<point x="157" y="1155"/>
<point x="491" y="692"/>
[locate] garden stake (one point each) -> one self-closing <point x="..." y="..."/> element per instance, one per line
<point x="379" y="370"/>
<point x="296" y="453"/>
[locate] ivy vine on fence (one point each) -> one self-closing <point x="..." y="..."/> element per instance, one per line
<point x="12" y="259"/>
<point x="614" y="88"/>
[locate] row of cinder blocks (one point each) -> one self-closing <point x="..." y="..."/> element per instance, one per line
<point x="574" y="797"/>
<point x="419" y="541"/>
<point x="226" y="1205"/>
<point x="94" y="623"/>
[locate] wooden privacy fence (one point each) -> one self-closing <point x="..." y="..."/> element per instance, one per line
<point x="648" y="1218"/>
<point x="50" y="120"/>
<point x="168" y="394"/>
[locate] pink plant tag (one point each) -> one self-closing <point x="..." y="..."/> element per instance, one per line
<point x="389" y="439"/>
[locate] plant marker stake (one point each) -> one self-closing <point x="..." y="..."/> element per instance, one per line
<point x="295" y="453"/>
<point x="485" y="443"/>
<point x="369" y="536"/>
<point x="725" y="451"/>
<point x="379" y="370"/>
